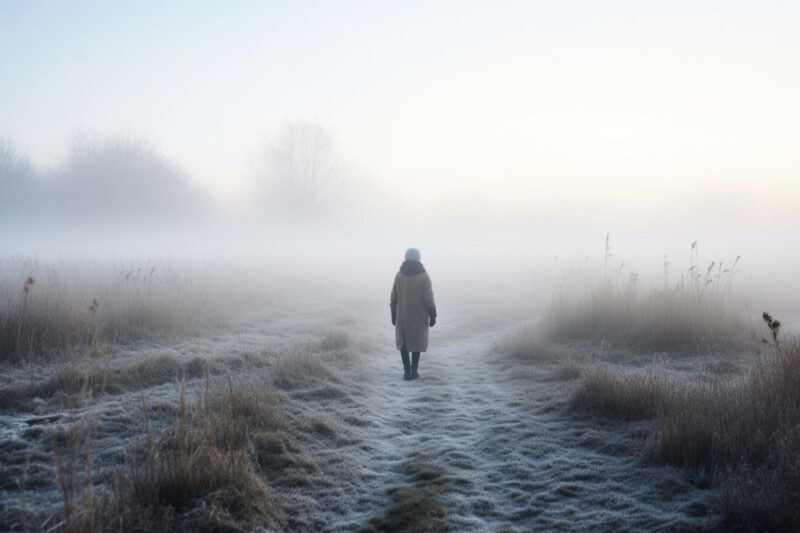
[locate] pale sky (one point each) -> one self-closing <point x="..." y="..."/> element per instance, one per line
<point x="491" y="107"/>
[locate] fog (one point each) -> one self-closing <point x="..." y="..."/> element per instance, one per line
<point x="212" y="200"/>
<point x="313" y="208"/>
<point x="482" y="135"/>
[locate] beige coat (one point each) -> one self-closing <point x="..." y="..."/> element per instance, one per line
<point x="413" y="296"/>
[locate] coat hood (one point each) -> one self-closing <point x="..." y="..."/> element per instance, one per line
<point x="411" y="268"/>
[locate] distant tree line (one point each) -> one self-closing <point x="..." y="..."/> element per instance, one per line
<point x="127" y="180"/>
<point x="118" y="180"/>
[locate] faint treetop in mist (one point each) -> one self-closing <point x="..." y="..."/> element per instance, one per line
<point x="17" y="187"/>
<point x="301" y="174"/>
<point x="123" y="179"/>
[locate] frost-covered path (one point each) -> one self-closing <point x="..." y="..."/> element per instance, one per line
<point x="505" y="453"/>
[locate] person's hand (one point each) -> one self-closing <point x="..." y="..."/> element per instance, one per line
<point x="394" y="321"/>
<point x="433" y="321"/>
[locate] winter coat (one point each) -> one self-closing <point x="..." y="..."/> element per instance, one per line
<point x="412" y="306"/>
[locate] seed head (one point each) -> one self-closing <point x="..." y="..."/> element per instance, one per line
<point x="28" y="284"/>
<point x="773" y="325"/>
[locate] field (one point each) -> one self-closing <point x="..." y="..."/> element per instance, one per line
<point x="212" y="216"/>
<point x="141" y="399"/>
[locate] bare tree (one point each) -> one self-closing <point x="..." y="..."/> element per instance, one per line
<point x="300" y="172"/>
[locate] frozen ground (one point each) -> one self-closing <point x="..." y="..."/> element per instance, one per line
<point x="509" y="455"/>
<point x="495" y="447"/>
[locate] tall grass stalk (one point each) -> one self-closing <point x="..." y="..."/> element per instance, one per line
<point x="26" y="289"/>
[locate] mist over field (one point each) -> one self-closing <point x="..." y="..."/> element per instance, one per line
<point x="204" y="208"/>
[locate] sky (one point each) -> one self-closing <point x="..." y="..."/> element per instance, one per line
<point x="633" y="111"/>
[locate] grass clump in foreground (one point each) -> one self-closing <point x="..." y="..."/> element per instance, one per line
<point x="743" y="430"/>
<point x="200" y="474"/>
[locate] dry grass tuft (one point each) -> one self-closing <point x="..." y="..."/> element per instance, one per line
<point x="48" y="316"/>
<point x="750" y="426"/>
<point x="659" y="320"/>
<point x="84" y="379"/>
<point x="53" y="310"/>
<point x="567" y="371"/>
<point x="200" y="474"/>
<point x="766" y="497"/>
<point x="628" y="396"/>
<point x="301" y="368"/>
<point x="335" y="340"/>
<point x="745" y="429"/>
<point x="694" y="315"/>
<point x="527" y="346"/>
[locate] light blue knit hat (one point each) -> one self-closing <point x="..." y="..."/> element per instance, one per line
<point x="412" y="254"/>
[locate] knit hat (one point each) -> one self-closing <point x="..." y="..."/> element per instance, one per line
<point x="412" y="254"/>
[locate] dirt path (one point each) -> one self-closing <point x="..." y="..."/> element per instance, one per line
<point x="498" y="450"/>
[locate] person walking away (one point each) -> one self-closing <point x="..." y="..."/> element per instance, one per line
<point x="413" y="311"/>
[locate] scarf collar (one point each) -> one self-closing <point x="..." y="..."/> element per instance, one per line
<point x="411" y="268"/>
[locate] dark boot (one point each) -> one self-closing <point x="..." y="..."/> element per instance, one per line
<point x="414" y="365"/>
<point x="406" y="365"/>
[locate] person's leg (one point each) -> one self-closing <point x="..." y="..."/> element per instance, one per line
<point x="406" y="363"/>
<point x="414" y="365"/>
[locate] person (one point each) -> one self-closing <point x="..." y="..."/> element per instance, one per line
<point x="413" y="311"/>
